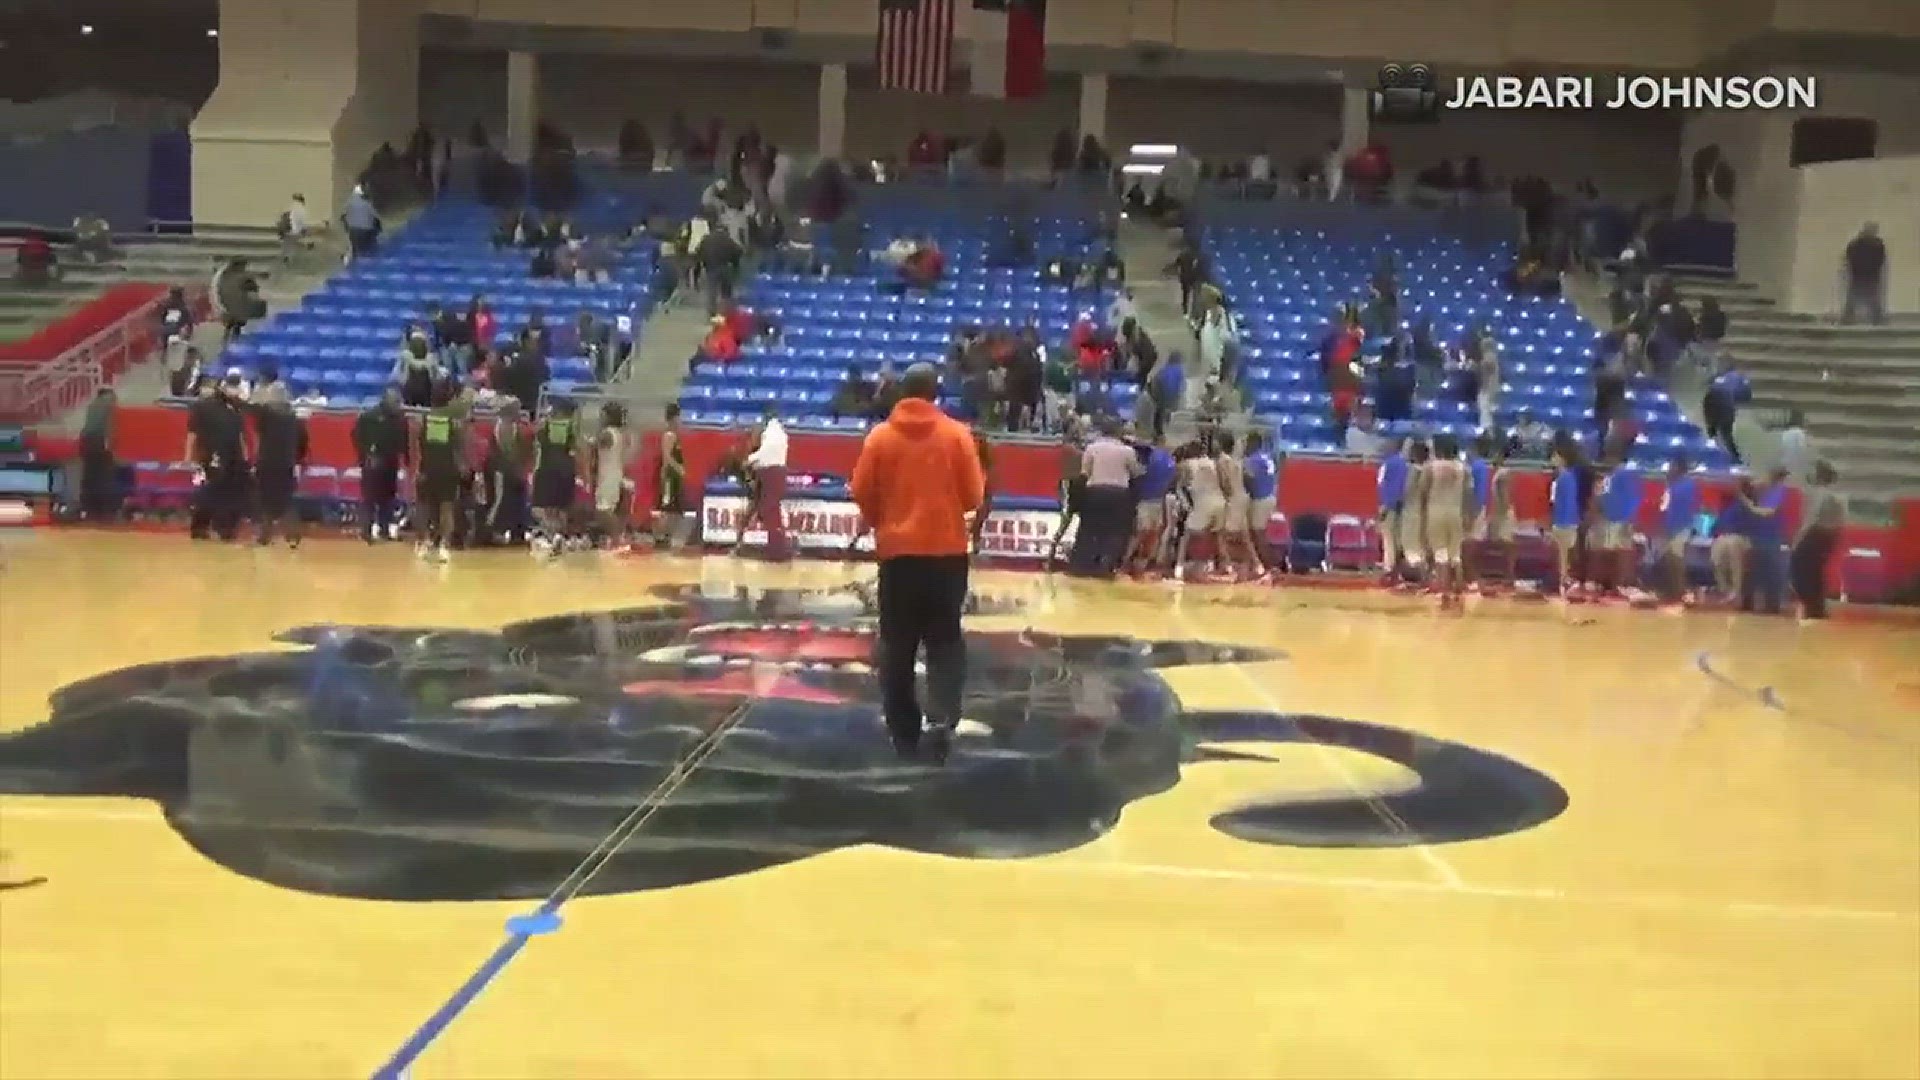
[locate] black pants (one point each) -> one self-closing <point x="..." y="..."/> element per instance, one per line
<point x="99" y="487"/>
<point x="1719" y="415"/>
<point x="379" y="491"/>
<point x="921" y="598"/>
<point x="221" y="501"/>
<point x="1808" y="569"/>
<point x="1106" y="530"/>
<point x="507" y="519"/>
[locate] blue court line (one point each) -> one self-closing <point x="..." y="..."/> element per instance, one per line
<point x="545" y="919"/>
<point x="520" y="929"/>
<point x="1765" y="695"/>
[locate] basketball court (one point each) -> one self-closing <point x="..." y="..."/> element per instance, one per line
<point x="1215" y="832"/>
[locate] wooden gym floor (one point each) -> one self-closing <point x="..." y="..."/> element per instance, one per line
<point x="1731" y="890"/>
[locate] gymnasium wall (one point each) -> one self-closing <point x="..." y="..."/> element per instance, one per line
<point x="306" y="92"/>
<point x="1830" y="203"/>
<point x="590" y="95"/>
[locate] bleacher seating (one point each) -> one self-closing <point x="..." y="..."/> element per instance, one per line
<point x="344" y="338"/>
<point x="830" y="324"/>
<point x="1284" y="284"/>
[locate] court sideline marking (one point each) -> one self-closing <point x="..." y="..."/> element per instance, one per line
<point x="1274" y="878"/>
<point x="1441" y="868"/>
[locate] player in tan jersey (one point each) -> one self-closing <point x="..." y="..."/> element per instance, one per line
<point x="1446" y="488"/>
<point x="1207" y="504"/>
<point x="1235" y="541"/>
<point x="1413" y="513"/>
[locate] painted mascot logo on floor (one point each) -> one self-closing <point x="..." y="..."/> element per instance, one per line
<point x="405" y="764"/>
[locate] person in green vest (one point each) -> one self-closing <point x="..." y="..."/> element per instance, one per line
<point x="442" y="455"/>
<point x="555" y="475"/>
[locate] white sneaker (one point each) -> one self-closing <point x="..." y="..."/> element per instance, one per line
<point x="1180" y="574"/>
<point x="422" y="549"/>
<point x="541" y="547"/>
<point x="441" y="554"/>
<point x="393" y="532"/>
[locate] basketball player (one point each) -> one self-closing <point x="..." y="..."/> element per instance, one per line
<point x="1619" y="493"/>
<point x="984" y="450"/>
<point x="281" y="437"/>
<point x="1480" y="471"/>
<point x="1236" y="539"/>
<point x="1390" y="487"/>
<point x="1679" y="505"/>
<point x="1263" y="494"/>
<point x="509" y="459"/>
<point x="1445" y="492"/>
<point x="1565" y="501"/>
<point x="1073" y="484"/>
<point x="1496" y="523"/>
<point x="1413" y="514"/>
<point x="442" y="453"/>
<point x="1201" y="476"/>
<point x="610" y="475"/>
<point x="1158" y="475"/>
<point x="555" y="473"/>
<point x="670" y="497"/>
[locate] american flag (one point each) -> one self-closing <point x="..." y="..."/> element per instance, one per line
<point x="916" y="45"/>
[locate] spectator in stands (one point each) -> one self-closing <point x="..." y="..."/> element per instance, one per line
<point x="593" y="261"/>
<point x="719" y="258"/>
<point x="416" y="369"/>
<point x="1486" y="396"/>
<point x="1121" y="310"/>
<point x="293" y="228"/>
<point x="453" y="339"/>
<point x="1216" y="339"/>
<point x="1333" y="171"/>
<point x="1866" y="259"/>
<point x="1057" y="380"/>
<point x="1609" y="394"/>
<point x="1396" y="384"/>
<point x="887" y="391"/>
<point x="1363" y="434"/>
<point x="1026" y="380"/>
<point x="362" y="223"/>
<point x="1726" y="392"/>
<point x="236" y="296"/>
<point x="720" y="346"/>
<point x="924" y="267"/>
<point x="309" y="399"/>
<point x="481" y="324"/>
<point x="1825" y="516"/>
<point x="854" y="397"/>
<point x="1138" y="356"/>
<point x="93" y="238"/>
<point x="1796" y="455"/>
<point x="1710" y="329"/>
<point x="185" y="377"/>
<point x="34" y="261"/>
<point x="1530" y="439"/>
<point x="636" y="147"/>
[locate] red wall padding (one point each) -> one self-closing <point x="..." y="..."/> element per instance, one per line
<point x="1308" y="485"/>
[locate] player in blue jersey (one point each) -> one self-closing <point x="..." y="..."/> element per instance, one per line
<point x="1154" y="488"/>
<point x="1263" y="498"/>
<point x="1390" y="486"/>
<point x="1613" y="549"/>
<point x="1679" y="506"/>
<point x="1564" y="502"/>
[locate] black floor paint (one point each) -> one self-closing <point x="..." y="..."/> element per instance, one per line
<point x="424" y="764"/>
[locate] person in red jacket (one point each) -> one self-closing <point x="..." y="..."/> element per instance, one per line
<point x="917" y="479"/>
<point x="721" y="345"/>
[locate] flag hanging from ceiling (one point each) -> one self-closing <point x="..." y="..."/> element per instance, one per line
<point x="915" y="50"/>
<point x="1009" y="48"/>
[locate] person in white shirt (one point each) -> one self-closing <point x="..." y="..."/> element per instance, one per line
<point x="1121" y="310"/>
<point x="1795" y="455"/>
<point x="1260" y="167"/>
<point x="1333" y="171"/>
<point x="769" y="464"/>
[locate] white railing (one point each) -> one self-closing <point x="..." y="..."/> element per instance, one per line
<point x="35" y="390"/>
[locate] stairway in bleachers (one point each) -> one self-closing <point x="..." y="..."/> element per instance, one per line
<point x="1858" y="385"/>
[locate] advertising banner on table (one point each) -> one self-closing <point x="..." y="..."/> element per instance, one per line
<point x="828" y="524"/>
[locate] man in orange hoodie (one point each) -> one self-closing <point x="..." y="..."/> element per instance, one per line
<point x="917" y="479"/>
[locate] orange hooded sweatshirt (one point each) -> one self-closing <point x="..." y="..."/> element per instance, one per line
<point x="917" y="478"/>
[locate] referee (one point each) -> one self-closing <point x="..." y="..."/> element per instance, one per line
<point x="917" y="479"/>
